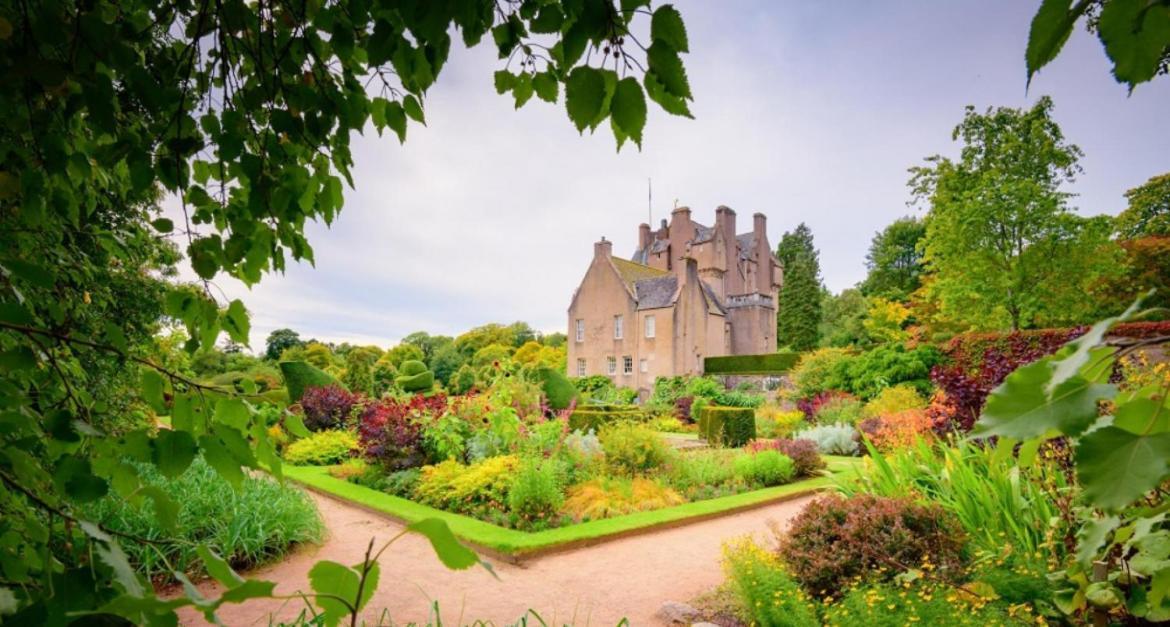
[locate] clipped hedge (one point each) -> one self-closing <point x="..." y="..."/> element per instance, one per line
<point x="594" y="417"/>
<point x="769" y="363"/>
<point x="727" y="426"/>
<point x="298" y="376"/>
<point x="414" y="376"/>
<point x="559" y="391"/>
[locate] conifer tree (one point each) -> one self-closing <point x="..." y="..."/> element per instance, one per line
<point x="799" y="312"/>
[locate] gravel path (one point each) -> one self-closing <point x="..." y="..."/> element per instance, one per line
<point x="631" y="577"/>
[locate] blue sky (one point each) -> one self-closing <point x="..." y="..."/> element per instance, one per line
<point x="805" y="111"/>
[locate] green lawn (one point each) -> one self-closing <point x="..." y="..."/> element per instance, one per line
<point x="512" y="543"/>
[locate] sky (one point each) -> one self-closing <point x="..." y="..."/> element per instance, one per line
<point x="805" y="111"/>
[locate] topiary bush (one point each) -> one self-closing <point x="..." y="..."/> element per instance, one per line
<point x="413" y="377"/>
<point x="727" y="426"/>
<point x="835" y="539"/>
<point x="328" y="407"/>
<point x="765" y="468"/>
<point x="323" y="448"/>
<point x="557" y="388"/>
<point x="299" y="376"/>
<point x="595" y="417"/>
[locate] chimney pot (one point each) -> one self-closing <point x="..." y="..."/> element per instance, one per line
<point x="643" y="236"/>
<point x="604" y="248"/>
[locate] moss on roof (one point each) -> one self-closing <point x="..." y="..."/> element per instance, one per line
<point x="633" y="272"/>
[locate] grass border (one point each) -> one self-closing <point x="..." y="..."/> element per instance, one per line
<point x="514" y="545"/>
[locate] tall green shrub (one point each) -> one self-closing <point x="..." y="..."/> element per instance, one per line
<point x="727" y="426"/>
<point x="557" y="388"/>
<point x="414" y="377"/>
<point x="299" y="376"/>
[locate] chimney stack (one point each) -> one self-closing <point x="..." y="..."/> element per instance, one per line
<point x="759" y="223"/>
<point x="604" y="248"/>
<point x="764" y="261"/>
<point x="663" y="231"/>
<point x="643" y="236"/>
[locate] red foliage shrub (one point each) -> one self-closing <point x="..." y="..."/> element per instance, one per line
<point x="390" y="431"/>
<point x="836" y="539"/>
<point x="899" y="429"/>
<point x="327" y="407"/>
<point x="682" y="408"/>
<point x="811" y="406"/>
<point x="977" y="362"/>
<point x="1141" y="330"/>
<point x="804" y="454"/>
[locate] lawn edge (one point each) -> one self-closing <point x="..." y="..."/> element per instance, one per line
<point x="514" y="546"/>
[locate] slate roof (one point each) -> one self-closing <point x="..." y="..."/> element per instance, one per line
<point x="747" y="244"/>
<point x="655" y="293"/>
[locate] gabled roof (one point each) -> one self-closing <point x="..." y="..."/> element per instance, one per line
<point x="631" y="272"/>
<point x="747" y="244"/>
<point x="656" y="292"/>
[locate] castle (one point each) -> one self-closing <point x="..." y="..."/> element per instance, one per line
<point x="690" y="291"/>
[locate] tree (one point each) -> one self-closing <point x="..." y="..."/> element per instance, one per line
<point x="279" y="340"/>
<point x="884" y="321"/>
<point x="1148" y="212"/>
<point x="243" y="111"/>
<point x="799" y="315"/>
<point x="359" y="375"/>
<point x="842" y="318"/>
<point x="1003" y="246"/>
<point x="895" y="260"/>
<point x="446" y="360"/>
<point x="402" y="352"/>
<point x="1135" y="35"/>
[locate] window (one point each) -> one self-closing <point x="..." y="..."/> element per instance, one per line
<point x="580" y="367"/>
<point x="627" y="365"/>
<point x="580" y="330"/>
<point x="617" y="327"/>
<point x="611" y="365"/>
<point x="643" y="365"/>
<point x="649" y="326"/>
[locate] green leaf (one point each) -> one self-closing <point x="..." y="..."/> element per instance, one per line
<point x="8" y="602"/>
<point x="396" y="119"/>
<point x="236" y="322"/>
<point x="152" y="386"/>
<point x="173" y="452"/>
<point x="1020" y="408"/>
<point x="664" y="63"/>
<point x="1116" y="467"/>
<point x="220" y="458"/>
<point x="1091" y="537"/>
<point x="163" y="225"/>
<point x="370" y="585"/>
<point x="1142" y="415"/>
<point x="295" y="425"/>
<point x="503" y="80"/>
<point x="166" y="511"/>
<point x="1065" y="368"/>
<point x="115" y="337"/>
<point x="546" y="86"/>
<point x="628" y="108"/>
<point x="1050" y="29"/>
<point x="584" y="96"/>
<point x="75" y="477"/>
<point x="522" y="89"/>
<point x="233" y="412"/>
<point x="1136" y="34"/>
<point x="204" y="255"/>
<point x="337" y="580"/>
<point x="453" y="554"/>
<point x="250" y="589"/>
<point x="413" y="109"/>
<point x="667" y="26"/>
<point x="217" y="567"/>
<point x="670" y="103"/>
<point x="18" y="359"/>
<point x="34" y="274"/>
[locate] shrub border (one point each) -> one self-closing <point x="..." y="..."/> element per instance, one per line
<point x="512" y="545"/>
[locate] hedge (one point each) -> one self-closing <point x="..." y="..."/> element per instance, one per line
<point x="414" y="377"/>
<point x="729" y="426"/>
<point x="559" y="391"/>
<point x="596" y="417"/>
<point x="299" y="376"/>
<point x="769" y="363"/>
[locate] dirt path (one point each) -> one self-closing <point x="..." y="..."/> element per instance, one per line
<point x="598" y="585"/>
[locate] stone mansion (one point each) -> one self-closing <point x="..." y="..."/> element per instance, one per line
<point x="690" y="291"/>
